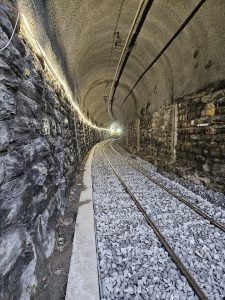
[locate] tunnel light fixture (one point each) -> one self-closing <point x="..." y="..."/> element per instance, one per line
<point x="37" y="48"/>
<point x="118" y="43"/>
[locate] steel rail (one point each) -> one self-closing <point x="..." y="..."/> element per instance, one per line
<point x="176" y="34"/>
<point x="178" y="197"/>
<point x="181" y="267"/>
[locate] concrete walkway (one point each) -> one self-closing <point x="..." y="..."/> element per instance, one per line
<point x="83" y="275"/>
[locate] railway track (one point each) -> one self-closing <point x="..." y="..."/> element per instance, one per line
<point x="184" y="271"/>
<point x="175" y="258"/>
<point x="181" y="199"/>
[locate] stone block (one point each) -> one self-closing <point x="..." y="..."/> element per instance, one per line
<point x="220" y="102"/>
<point x="14" y="198"/>
<point x="2" y="170"/>
<point x="4" y="136"/>
<point x="26" y="106"/>
<point x="196" y="151"/>
<point x="7" y="104"/>
<point x="215" y="152"/>
<point x="220" y="110"/>
<point x="218" y="169"/>
<point x="218" y="95"/>
<point x="39" y="174"/>
<point x="6" y="24"/>
<point x="11" y="55"/>
<point x="200" y="158"/>
<point x="13" y="165"/>
<point x="7" y="77"/>
<point x="218" y="119"/>
<point x="202" y="144"/>
<point x="206" y="167"/>
<point x="61" y="195"/>
<point x="216" y="160"/>
<point x="195" y="137"/>
<point x="210" y="130"/>
<point x="28" y="89"/>
<point x="206" y="98"/>
<point x="24" y="126"/>
<point x="41" y="147"/>
<point x="11" y="248"/>
<point x="221" y="130"/>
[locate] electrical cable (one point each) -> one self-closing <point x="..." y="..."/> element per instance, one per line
<point x="115" y="30"/>
<point x="14" y="30"/>
<point x="167" y="45"/>
<point x="131" y="38"/>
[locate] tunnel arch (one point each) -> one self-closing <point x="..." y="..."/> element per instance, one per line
<point x="191" y="63"/>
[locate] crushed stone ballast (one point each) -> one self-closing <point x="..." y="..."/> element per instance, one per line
<point x="133" y="262"/>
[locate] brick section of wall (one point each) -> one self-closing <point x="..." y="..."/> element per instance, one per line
<point x="42" y="141"/>
<point x="187" y="138"/>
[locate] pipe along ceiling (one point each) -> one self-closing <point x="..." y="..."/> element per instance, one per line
<point x="84" y="40"/>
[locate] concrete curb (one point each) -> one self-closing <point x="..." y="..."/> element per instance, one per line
<point x="83" y="274"/>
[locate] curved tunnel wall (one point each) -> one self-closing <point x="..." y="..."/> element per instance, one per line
<point x="42" y="143"/>
<point x="82" y="41"/>
<point x="43" y="139"/>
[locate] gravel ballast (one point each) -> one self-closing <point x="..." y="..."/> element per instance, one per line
<point x="199" y="244"/>
<point x="132" y="262"/>
<point x="211" y="202"/>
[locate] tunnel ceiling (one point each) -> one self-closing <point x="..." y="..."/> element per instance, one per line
<point x="78" y="35"/>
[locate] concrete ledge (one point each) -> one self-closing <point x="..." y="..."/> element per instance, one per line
<point x="83" y="275"/>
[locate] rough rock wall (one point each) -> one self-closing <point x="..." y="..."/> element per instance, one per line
<point x="42" y="141"/>
<point x="187" y="138"/>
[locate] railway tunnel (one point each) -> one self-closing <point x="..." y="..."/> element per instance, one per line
<point x="112" y="164"/>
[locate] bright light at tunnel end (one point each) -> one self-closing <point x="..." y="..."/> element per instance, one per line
<point x="115" y="129"/>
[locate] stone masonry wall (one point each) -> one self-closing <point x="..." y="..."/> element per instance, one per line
<point x="42" y="142"/>
<point x="132" y="135"/>
<point x="187" y="138"/>
<point x="156" y="140"/>
<point x="201" y="136"/>
<point x="154" y="137"/>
